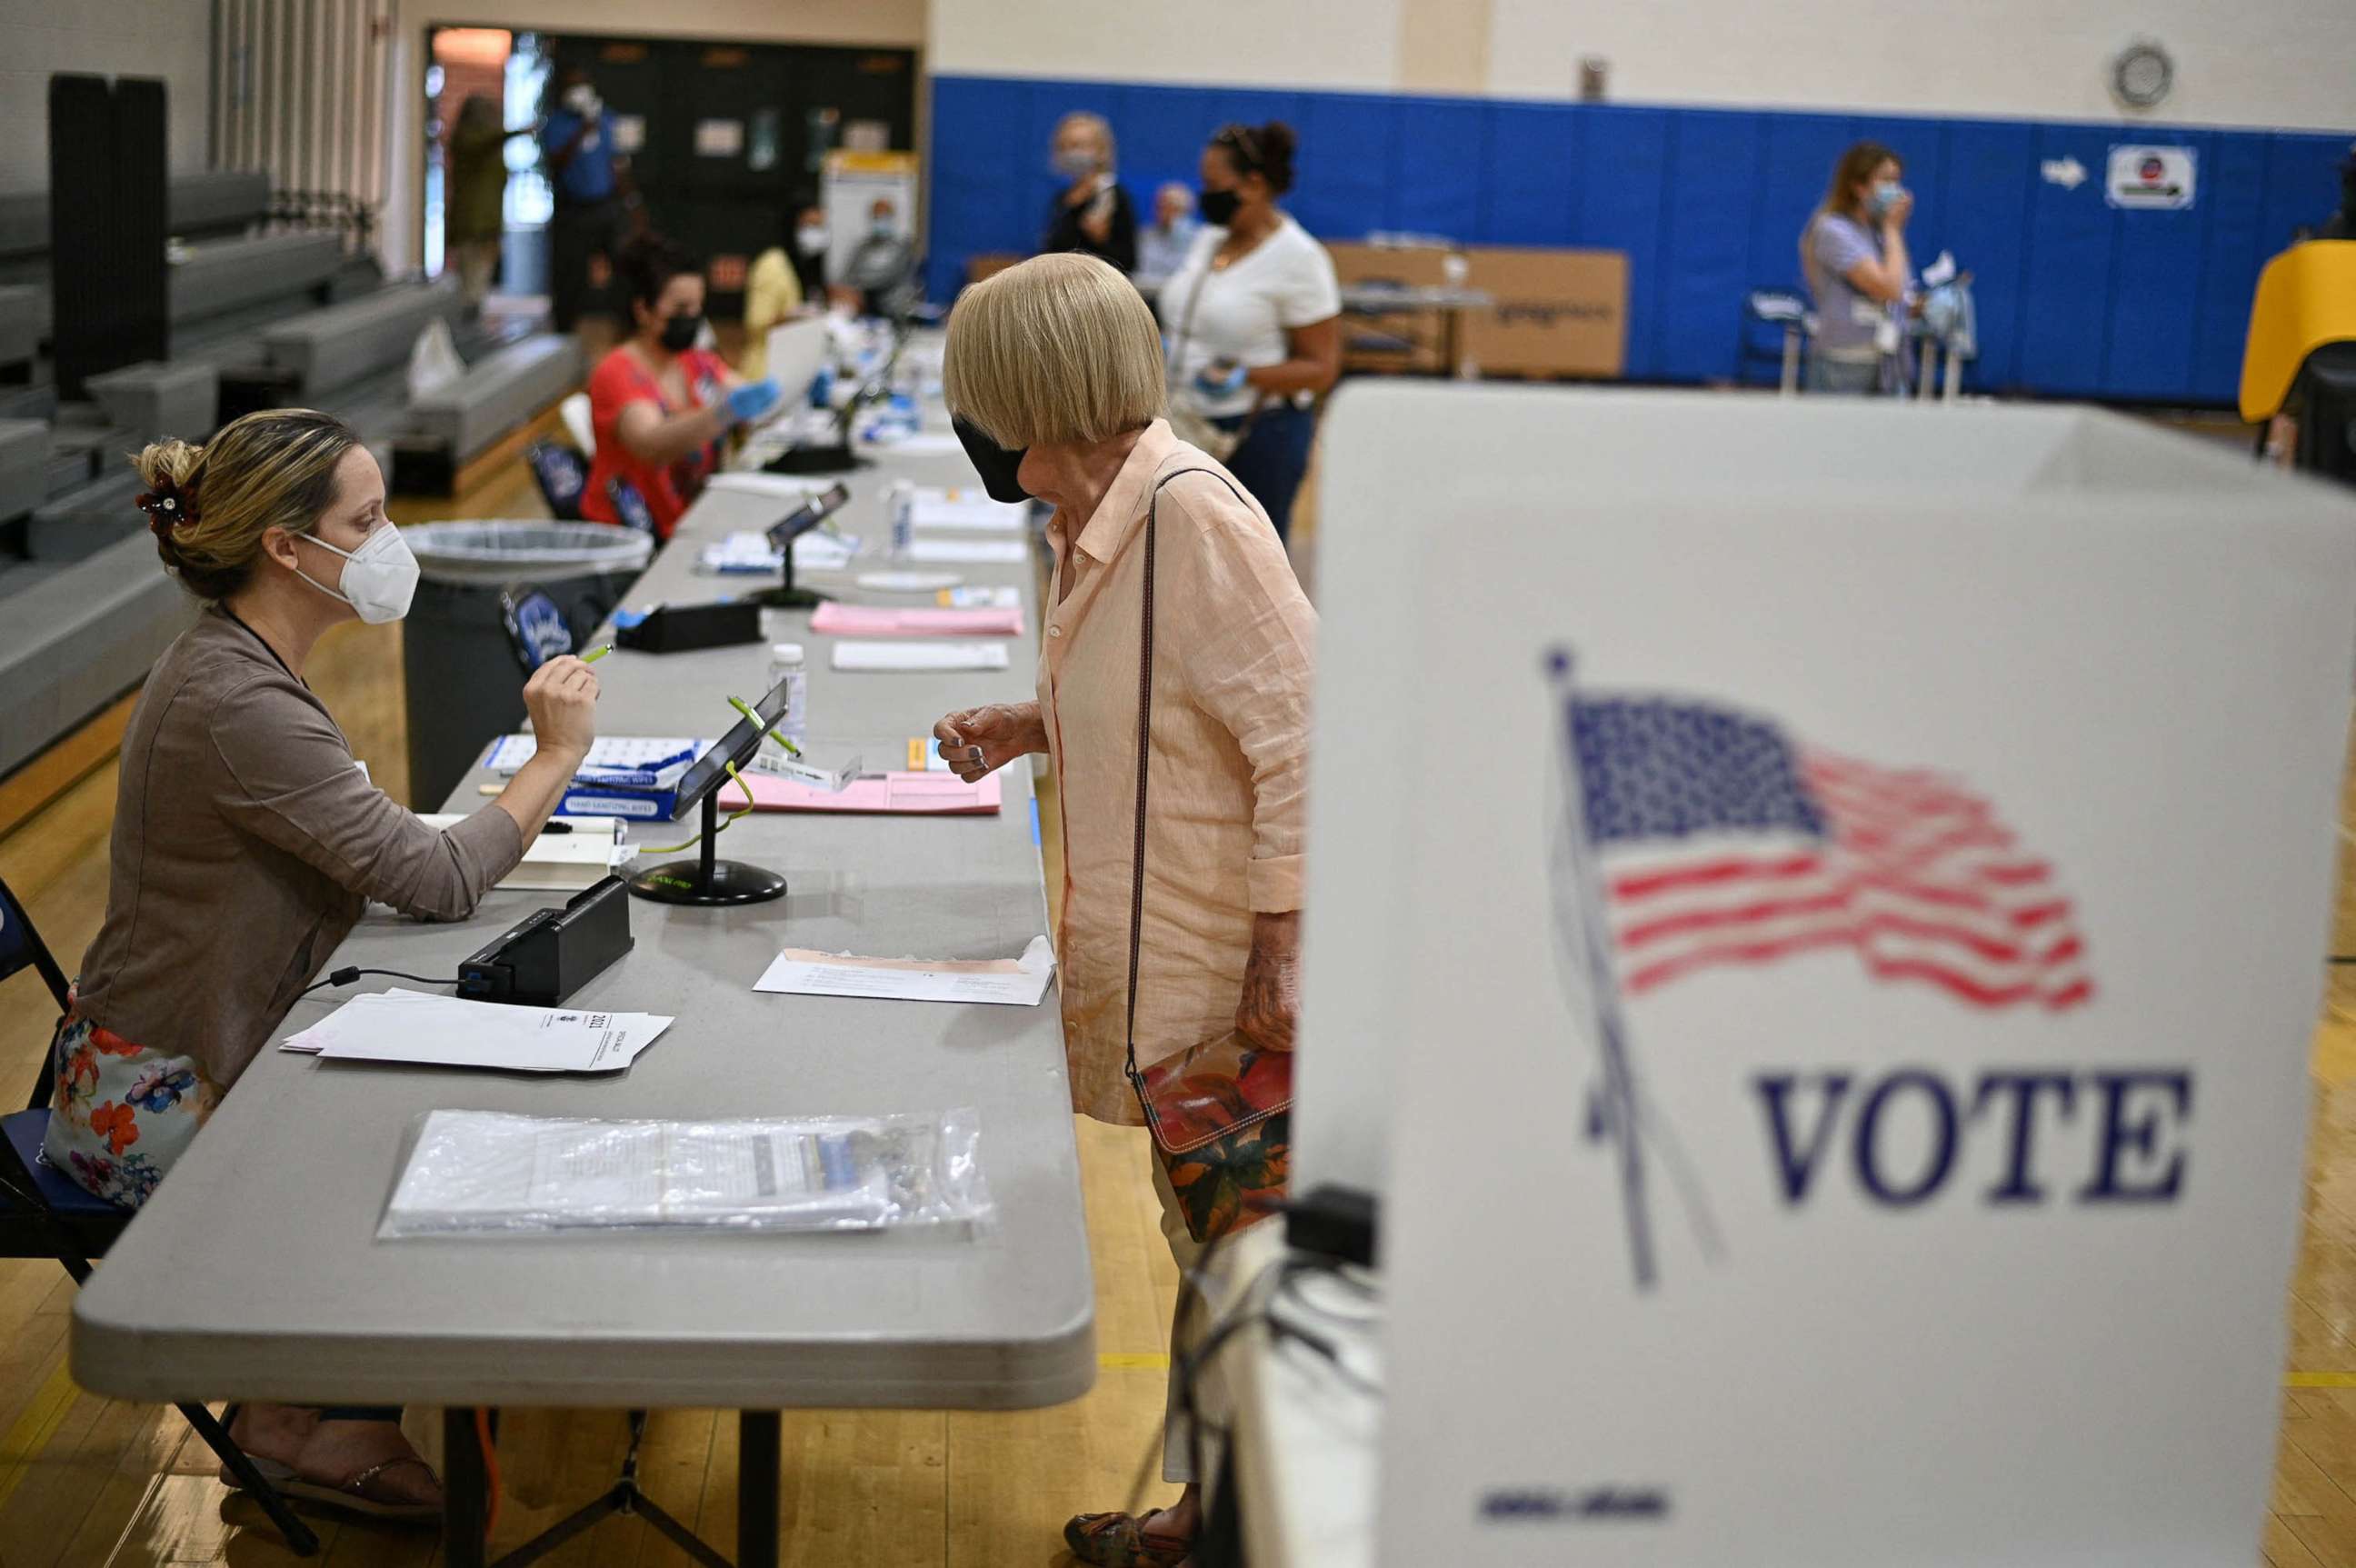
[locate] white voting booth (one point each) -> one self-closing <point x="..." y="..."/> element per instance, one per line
<point x="1815" y="929"/>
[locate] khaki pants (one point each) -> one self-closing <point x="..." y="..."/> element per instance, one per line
<point x="1185" y="1328"/>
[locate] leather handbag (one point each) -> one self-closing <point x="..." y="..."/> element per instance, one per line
<point x="1219" y="1110"/>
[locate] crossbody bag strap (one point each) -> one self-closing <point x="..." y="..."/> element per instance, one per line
<point x="1145" y="755"/>
<point x="1178" y="356"/>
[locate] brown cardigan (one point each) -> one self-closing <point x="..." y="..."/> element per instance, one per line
<point x="246" y="843"/>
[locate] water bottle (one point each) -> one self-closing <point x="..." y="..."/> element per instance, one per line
<point x="788" y="666"/>
<point x="900" y="508"/>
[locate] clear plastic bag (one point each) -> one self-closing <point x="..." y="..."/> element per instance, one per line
<point x="488" y="1172"/>
<point x="434" y="363"/>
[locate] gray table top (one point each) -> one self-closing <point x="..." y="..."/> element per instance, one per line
<point x="255" y="1272"/>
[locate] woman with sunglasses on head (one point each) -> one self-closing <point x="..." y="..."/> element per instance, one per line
<point x="1254" y="321"/>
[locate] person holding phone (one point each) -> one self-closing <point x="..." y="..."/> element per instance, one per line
<point x="1092" y="214"/>
<point x="1853" y="254"/>
<point x="1254" y="317"/>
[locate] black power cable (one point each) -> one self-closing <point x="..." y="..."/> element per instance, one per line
<point x="345" y="976"/>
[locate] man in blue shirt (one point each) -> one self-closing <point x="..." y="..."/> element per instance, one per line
<point x="586" y="171"/>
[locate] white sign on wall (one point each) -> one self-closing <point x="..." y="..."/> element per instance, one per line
<point x="1846" y="964"/>
<point x="2151" y="178"/>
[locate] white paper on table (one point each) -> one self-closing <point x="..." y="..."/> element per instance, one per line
<point x="968" y="552"/>
<point x="968" y="511"/>
<point x="1011" y="983"/>
<point x="405" y="1026"/>
<point x="933" y="653"/>
<point x="816" y="550"/>
<point x="783" y="486"/>
<point x="922" y="442"/>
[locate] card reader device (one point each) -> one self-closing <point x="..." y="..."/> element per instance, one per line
<point x="553" y="952"/>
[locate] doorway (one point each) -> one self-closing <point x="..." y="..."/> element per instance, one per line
<point x="723" y="142"/>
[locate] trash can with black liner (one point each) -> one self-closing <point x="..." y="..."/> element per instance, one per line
<point x="465" y="683"/>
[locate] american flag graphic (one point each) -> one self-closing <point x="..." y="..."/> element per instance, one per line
<point x="1719" y="840"/>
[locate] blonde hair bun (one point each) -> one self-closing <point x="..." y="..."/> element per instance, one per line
<point x="211" y="505"/>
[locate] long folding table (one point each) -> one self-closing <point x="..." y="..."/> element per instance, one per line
<point x="255" y="1272"/>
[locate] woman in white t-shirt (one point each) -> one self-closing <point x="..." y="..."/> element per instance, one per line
<point x="1254" y="317"/>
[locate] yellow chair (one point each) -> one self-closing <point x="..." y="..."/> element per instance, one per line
<point x="2305" y="299"/>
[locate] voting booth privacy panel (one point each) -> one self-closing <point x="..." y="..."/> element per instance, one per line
<point x="1826" y="993"/>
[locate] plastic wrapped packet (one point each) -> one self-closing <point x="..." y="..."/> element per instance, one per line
<point x="488" y="1172"/>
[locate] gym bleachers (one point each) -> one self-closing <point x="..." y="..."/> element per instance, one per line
<point x="261" y="317"/>
<point x="499" y="392"/>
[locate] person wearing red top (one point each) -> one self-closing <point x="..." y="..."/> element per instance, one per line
<point x="657" y="403"/>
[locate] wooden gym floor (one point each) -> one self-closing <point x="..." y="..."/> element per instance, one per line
<point x="87" y="1481"/>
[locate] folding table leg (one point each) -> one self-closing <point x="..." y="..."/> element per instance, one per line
<point x="466" y="1493"/>
<point x="757" y="1460"/>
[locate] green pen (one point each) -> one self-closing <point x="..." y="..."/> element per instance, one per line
<point x="600" y="653"/>
<point x="743" y="707"/>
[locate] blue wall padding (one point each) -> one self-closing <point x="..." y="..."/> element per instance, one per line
<point x="2076" y="300"/>
<point x="1534" y="173"/>
<point x="2068" y="245"/>
<point x="1980" y="214"/>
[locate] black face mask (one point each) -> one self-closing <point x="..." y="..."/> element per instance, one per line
<point x="1218" y="208"/>
<point x="995" y="464"/>
<point x="679" y="333"/>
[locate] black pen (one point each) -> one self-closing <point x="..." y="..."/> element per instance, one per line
<point x="557" y="828"/>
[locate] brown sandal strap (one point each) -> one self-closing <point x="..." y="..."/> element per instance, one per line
<point x="357" y="1485"/>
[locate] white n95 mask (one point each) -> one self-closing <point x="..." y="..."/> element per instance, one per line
<point x="380" y="577"/>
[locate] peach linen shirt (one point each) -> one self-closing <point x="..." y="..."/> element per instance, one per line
<point x="1233" y="639"/>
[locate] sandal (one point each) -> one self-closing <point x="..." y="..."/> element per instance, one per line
<point x="352" y="1496"/>
<point x="1121" y="1541"/>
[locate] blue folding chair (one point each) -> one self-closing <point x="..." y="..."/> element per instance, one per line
<point x="43" y="1214"/>
<point x="537" y="629"/>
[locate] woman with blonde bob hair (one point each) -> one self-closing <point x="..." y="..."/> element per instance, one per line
<point x="1054" y="381"/>
<point x="247" y="841"/>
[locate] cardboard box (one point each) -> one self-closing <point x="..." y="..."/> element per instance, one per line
<point x="988" y="264"/>
<point x="1394" y="342"/>
<point x="1557" y="313"/>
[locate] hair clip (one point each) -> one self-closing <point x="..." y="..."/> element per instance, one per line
<point x="165" y="511"/>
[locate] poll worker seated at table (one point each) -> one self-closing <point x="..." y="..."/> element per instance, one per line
<point x="247" y="841"/>
<point x="657" y="403"/>
<point x="1054" y="381"/>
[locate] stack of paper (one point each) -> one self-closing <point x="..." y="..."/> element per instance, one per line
<point x="401" y="1025"/>
<point x="835" y="620"/>
<point x="1007" y="981"/>
<point x="968" y="510"/>
<point x="1000" y="596"/>
<point x="752" y="555"/>
<point x="615" y="761"/>
<point x="776" y="486"/>
<point x="935" y="655"/>
<point x="915" y="794"/>
<point x="968" y="552"/>
<point x="567" y="857"/>
<point x="481" y="1171"/>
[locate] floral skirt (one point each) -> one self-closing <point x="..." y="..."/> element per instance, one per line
<point x="121" y="1115"/>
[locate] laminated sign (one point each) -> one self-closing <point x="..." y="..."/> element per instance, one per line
<point x="1834" y="973"/>
<point x="2157" y="178"/>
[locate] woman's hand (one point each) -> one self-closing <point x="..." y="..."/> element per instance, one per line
<point x="751" y="399"/>
<point x="978" y="741"/>
<point x="1899" y="210"/>
<point x="1270" y="1004"/>
<point x="561" y="698"/>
